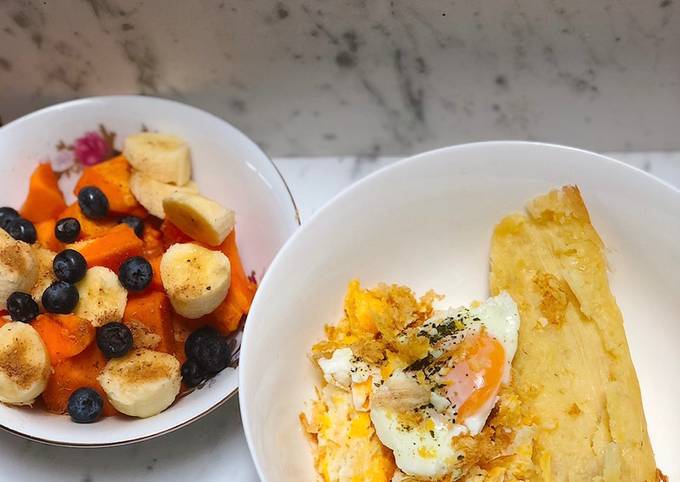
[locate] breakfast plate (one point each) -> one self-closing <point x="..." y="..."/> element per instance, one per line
<point x="426" y="222"/>
<point x="229" y="168"/>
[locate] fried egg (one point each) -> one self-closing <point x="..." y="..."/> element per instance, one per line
<point x="418" y="411"/>
<point x="489" y="345"/>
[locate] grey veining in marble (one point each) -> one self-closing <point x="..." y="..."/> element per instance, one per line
<point x="374" y="77"/>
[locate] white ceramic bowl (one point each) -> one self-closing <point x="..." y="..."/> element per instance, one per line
<point x="227" y="166"/>
<point x="426" y="222"/>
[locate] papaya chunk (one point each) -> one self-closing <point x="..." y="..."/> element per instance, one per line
<point x="153" y="242"/>
<point x="64" y="335"/>
<point x="140" y="212"/>
<point x="113" y="178"/>
<point x="46" y="236"/>
<point x="156" y="281"/>
<point x="173" y="235"/>
<point x="242" y="283"/>
<point x="45" y="200"/>
<point x="73" y="373"/>
<point x="227" y="317"/>
<point x="149" y="313"/>
<point x="89" y="228"/>
<point x="111" y="249"/>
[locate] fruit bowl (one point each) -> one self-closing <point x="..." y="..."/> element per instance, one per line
<point x="227" y="166"/>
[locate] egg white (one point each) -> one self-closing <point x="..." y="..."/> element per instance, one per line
<point x="343" y="369"/>
<point x="500" y="317"/>
<point x="429" y="454"/>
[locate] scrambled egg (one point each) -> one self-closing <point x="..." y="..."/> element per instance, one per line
<point x="346" y="447"/>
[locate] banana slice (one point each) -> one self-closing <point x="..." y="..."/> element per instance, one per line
<point x="201" y="218"/>
<point x="143" y="383"/>
<point x="24" y="364"/>
<point x="196" y="279"/>
<point x="46" y="277"/>
<point x="18" y="267"/>
<point x="162" y="157"/>
<point x="151" y="193"/>
<point x="102" y="297"/>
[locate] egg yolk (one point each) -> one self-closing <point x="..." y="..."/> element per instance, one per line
<point x="477" y="376"/>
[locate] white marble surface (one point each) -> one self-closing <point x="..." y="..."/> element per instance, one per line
<point x="322" y="77"/>
<point x="214" y="448"/>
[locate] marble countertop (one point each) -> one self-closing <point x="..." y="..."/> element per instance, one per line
<point x="214" y="447"/>
<point x="310" y="78"/>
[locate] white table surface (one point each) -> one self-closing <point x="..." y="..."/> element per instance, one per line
<point x="214" y="447"/>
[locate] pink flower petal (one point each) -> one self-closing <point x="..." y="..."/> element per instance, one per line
<point x="90" y="149"/>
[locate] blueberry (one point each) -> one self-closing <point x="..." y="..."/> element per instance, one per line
<point x="114" y="339"/>
<point x="196" y="338"/>
<point x="93" y="202"/>
<point x="69" y="265"/>
<point x="60" y="297"/>
<point x="135" y="273"/>
<point x="85" y="405"/>
<point x="7" y="214"/>
<point x="193" y="374"/>
<point x="67" y="230"/>
<point x="209" y="348"/>
<point x="135" y="223"/>
<point x="22" y="307"/>
<point x="22" y="230"/>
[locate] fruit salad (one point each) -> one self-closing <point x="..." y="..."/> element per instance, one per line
<point x="125" y="299"/>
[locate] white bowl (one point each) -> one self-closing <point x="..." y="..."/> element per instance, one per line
<point x="228" y="167"/>
<point x="426" y="222"/>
